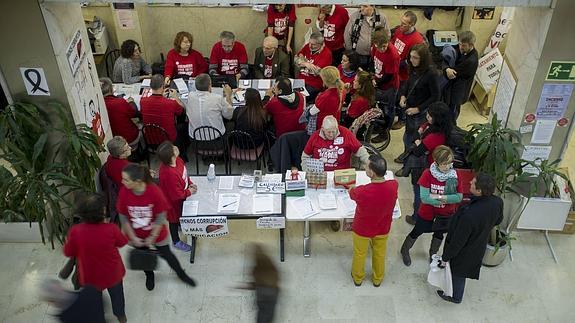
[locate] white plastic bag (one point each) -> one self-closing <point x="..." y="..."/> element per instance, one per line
<point x="440" y="277"/>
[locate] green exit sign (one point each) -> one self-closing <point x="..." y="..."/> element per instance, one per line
<point x="561" y="71"/>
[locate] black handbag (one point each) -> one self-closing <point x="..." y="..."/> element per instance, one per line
<point x="143" y="259"/>
<point x="441" y="223"/>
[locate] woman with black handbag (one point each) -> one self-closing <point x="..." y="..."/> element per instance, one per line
<point x="417" y="93"/>
<point x="440" y="193"/>
<point x="143" y="208"/>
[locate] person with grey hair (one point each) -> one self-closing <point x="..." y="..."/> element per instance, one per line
<point x="205" y="108"/>
<point x="118" y="159"/>
<point x="229" y="57"/>
<point x="461" y="74"/>
<point x="269" y="62"/>
<point x="358" y="30"/>
<point x="334" y="145"/>
<point x="121" y="113"/>
<point x="310" y="60"/>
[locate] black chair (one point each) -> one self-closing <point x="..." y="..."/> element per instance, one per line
<point x="106" y="186"/>
<point x="208" y="142"/>
<point x="110" y="60"/>
<point x="154" y="135"/>
<point x="243" y="148"/>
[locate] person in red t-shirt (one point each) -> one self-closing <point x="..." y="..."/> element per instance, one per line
<point x="362" y="100"/>
<point x="285" y="108"/>
<point x="281" y="20"/>
<point x="143" y="209"/>
<point x="373" y="215"/>
<point x="94" y="243"/>
<point x="331" y="22"/>
<point x="330" y="101"/>
<point x="177" y="186"/>
<point x="311" y="59"/>
<point x="440" y="192"/>
<point x="117" y="160"/>
<point x="159" y="110"/>
<point x="229" y="57"/>
<point x="182" y="60"/>
<point x="334" y="145"/>
<point x="121" y="114"/>
<point x="385" y="60"/>
<point x="404" y="37"/>
<point x="348" y="70"/>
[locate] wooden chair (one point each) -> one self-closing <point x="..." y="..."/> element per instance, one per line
<point x="208" y="142"/>
<point x="243" y="148"/>
<point x="154" y="135"/>
<point x="110" y="60"/>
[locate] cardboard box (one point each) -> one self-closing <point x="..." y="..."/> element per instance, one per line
<point x="344" y="177"/>
<point x="484" y="100"/>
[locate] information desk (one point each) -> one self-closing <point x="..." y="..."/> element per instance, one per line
<point x="207" y="197"/>
<point x="338" y="214"/>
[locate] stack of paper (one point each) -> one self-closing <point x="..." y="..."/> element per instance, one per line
<point x="247" y="181"/>
<point x="228" y="203"/>
<point x="263" y="203"/>
<point x="190" y="208"/>
<point x="226" y="183"/>
<point x="327" y="201"/>
<point x="181" y="85"/>
<point x="272" y="178"/>
<point x="303" y="207"/>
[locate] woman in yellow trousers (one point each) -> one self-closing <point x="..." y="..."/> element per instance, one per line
<point x="373" y="215"/>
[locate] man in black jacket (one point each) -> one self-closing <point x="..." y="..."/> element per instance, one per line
<point x="468" y="234"/>
<point x="461" y="74"/>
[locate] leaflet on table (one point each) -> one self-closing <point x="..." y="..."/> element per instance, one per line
<point x="181" y="85"/>
<point x="226" y="183"/>
<point x="228" y="203"/>
<point x="272" y="178"/>
<point x="347" y="204"/>
<point x="247" y="181"/>
<point x="327" y="201"/>
<point x="303" y="207"/>
<point x="190" y="208"/>
<point x="271" y="187"/>
<point x="264" y="84"/>
<point x="146" y="82"/>
<point x="263" y="203"/>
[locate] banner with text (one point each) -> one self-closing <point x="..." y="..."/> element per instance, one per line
<point x="205" y="226"/>
<point x="489" y="69"/>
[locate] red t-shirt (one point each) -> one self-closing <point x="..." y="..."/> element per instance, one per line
<point x="285" y="119"/>
<point x="386" y="63"/>
<point x="120" y="114"/>
<point x="174" y="182"/>
<point x="334" y="28"/>
<point x="142" y="210"/>
<point x="280" y="21"/>
<point x="346" y="79"/>
<point x="374" y="208"/>
<point x="114" y="168"/>
<point x="431" y="141"/>
<point x="162" y="111"/>
<point x="335" y="154"/>
<point x="328" y="103"/>
<point x="229" y="63"/>
<point x="403" y="42"/>
<point x="357" y="106"/>
<point x="192" y="64"/>
<point x="95" y="247"/>
<point x="320" y="59"/>
<point x="268" y="66"/>
<point x="426" y="211"/>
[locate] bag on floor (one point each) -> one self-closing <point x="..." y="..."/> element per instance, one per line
<point x="143" y="259"/>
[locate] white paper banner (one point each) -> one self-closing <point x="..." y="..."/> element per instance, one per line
<point x="205" y="226"/>
<point x="501" y="30"/>
<point x="489" y="68"/>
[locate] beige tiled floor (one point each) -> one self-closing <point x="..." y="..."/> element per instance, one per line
<point x="532" y="288"/>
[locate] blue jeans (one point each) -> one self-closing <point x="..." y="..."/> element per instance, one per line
<point x="458" y="287"/>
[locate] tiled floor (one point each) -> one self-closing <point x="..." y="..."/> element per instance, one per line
<point x="532" y="288"/>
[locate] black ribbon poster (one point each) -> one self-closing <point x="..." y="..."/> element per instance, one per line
<point x="35" y="81"/>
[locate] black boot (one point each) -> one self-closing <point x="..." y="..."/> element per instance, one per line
<point x="407" y="244"/>
<point x="435" y="244"/>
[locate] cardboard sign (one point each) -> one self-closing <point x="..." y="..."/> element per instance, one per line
<point x="296" y="185"/>
<point x="489" y="69"/>
<point x="205" y="226"/>
<point x="270" y="187"/>
<point x="271" y="222"/>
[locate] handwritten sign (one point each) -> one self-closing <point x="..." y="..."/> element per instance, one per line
<point x="75" y="52"/>
<point x="205" y="226"/>
<point x="271" y="222"/>
<point x="270" y="187"/>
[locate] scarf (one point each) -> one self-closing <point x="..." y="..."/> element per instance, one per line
<point x="356" y="28"/>
<point x="450" y="178"/>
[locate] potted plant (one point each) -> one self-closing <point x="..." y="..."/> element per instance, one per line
<point x="45" y="158"/>
<point x="495" y="150"/>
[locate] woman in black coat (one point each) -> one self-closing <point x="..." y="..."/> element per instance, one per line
<point x="468" y="234"/>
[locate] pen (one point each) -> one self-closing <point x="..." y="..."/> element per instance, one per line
<point x="224" y="206"/>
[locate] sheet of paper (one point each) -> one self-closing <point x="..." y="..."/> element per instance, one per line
<point x="346" y="203"/>
<point x="190" y="208"/>
<point x="247" y="181"/>
<point x="226" y="183"/>
<point x="272" y="178"/>
<point x="246" y="191"/>
<point x="181" y="85"/>
<point x="327" y="201"/>
<point x="543" y="131"/>
<point x="303" y="207"/>
<point x="531" y="153"/>
<point x="146" y="82"/>
<point x="244" y="84"/>
<point x="263" y="204"/>
<point x="228" y="203"/>
<point x="264" y="84"/>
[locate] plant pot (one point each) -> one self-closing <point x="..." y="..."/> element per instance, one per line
<point x="20" y="232"/>
<point x="491" y="258"/>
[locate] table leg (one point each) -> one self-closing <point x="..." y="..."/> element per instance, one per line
<point x="306" y="239"/>
<point x="193" y="251"/>
<point x="282" y="254"/>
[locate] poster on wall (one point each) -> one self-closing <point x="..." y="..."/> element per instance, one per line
<point x="543" y="131"/>
<point x="553" y="101"/>
<point x="532" y="153"/>
<point x="75" y="53"/>
<point x="483" y="13"/>
<point x="125" y="19"/>
<point x="35" y="80"/>
<point x="501" y="30"/>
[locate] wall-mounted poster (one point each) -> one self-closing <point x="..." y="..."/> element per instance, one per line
<point x="485" y="13"/>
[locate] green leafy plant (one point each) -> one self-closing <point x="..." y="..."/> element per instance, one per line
<point x="544" y="182"/>
<point x="45" y="158"/>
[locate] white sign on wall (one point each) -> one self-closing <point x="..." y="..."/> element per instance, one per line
<point x="76" y="52"/>
<point x="35" y="80"/>
<point x="271" y="222"/>
<point x="501" y="30"/>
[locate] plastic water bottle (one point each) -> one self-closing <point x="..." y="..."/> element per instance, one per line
<point x="211" y="173"/>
